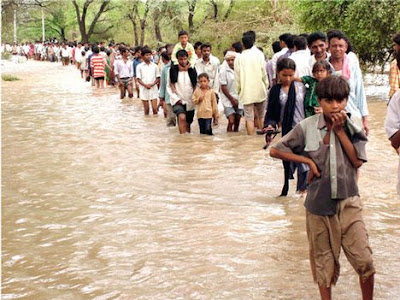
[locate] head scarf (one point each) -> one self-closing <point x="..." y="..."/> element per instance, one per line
<point x="230" y="54"/>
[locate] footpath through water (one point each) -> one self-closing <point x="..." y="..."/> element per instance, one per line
<point x="100" y="202"/>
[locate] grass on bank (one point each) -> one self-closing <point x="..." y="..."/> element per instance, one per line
<point x="6" y="56"/>
<point x="8" y="77"/>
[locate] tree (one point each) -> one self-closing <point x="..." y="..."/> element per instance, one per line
<point x="192" y="6"/>
<point x="156" y="20"/>
<point x="81" y="18"/>
<point x="368" y="24"/>
<point x="228" y="11"/>
<point x="132" y="16"/>
<point x="137" y="14"/>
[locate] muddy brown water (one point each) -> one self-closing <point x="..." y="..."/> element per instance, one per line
<point x="100" y="202"/>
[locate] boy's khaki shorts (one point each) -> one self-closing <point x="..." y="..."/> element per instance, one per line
<point x="257" y="109"/>
<point x="327" y="234"/>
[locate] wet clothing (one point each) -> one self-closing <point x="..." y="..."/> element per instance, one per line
<point x="328" y="234"/>
<point x="338" y="179"/>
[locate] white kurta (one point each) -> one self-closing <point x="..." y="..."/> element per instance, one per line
<point x="148" y="73"/>
<point x="301" y="59"/>
<point x="251" y="77"/>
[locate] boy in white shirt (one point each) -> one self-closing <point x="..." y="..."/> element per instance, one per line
<point x="148" y="77"/>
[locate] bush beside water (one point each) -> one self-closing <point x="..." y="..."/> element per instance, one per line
<point x="8" y="77"/>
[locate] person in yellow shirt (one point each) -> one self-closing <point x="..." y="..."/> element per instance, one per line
<point x="251" y="83"/>
<point x="184" y="44"/>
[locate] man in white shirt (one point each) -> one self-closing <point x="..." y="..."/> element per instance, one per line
<point x="276" y="56"/>
<point x="301" y="57"/>
<point x="209" y="66"/>
<point x="181" y="82"/>
<point x="318" y="46"/>
<point x="251" y="83"/>
<point x="26" y="49"/>
<point x="65" y="55"/>
<point x="233" y="109"/>
<point x="357" y="102"/>
<point x="123" y="70"/>
<point x="78" y="55"/>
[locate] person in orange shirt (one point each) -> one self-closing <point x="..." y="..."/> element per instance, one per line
<point x="394" y="75"/>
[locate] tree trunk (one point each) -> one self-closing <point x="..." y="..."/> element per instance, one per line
<point x="62" y="34"/>
<point x="215" y="9"/>
<point x="135" y="33"/>
<point x="15" y="25"/>
<point x="157" y="29"/>
<point x="43" y="27"/>
<point x="192" y="6"/>
<point x="143" y="22"/>
<point x="142" y="30"/>
<point x="228" y="12"/>
<point x="82" y="19"/>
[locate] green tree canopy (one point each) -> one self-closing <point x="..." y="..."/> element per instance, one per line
<point x="369" y="24"/>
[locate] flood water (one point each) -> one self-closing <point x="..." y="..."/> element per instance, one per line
<point x="100" y="202"/>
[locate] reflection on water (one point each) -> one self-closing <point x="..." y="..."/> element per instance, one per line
<point x="100" y="202"/>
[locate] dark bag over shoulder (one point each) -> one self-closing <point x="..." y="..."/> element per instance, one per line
<point x="173" y="75"/>
<point x="272" y="115"/>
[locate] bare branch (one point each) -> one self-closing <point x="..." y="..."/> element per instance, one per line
<point x="103" y="31"/>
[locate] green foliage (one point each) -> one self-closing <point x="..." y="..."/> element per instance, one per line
<point x="6" y="55"/>
<point x="369" y="24"/>
<point x="8" y="77"/>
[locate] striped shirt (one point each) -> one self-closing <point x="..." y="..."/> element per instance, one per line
<point x="394" y="78"/>
<point x="97" y="64"/>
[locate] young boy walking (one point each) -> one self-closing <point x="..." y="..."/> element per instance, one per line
<point x="148" y="77"/>
<point x="184" y="44"/>
<point x="207" y="108"/>
<point x="123" y="70"/>
<point x="165" y="101"/>
<point x="334" y="148"/>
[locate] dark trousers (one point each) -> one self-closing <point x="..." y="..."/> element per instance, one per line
<point x="205" y="126"/>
